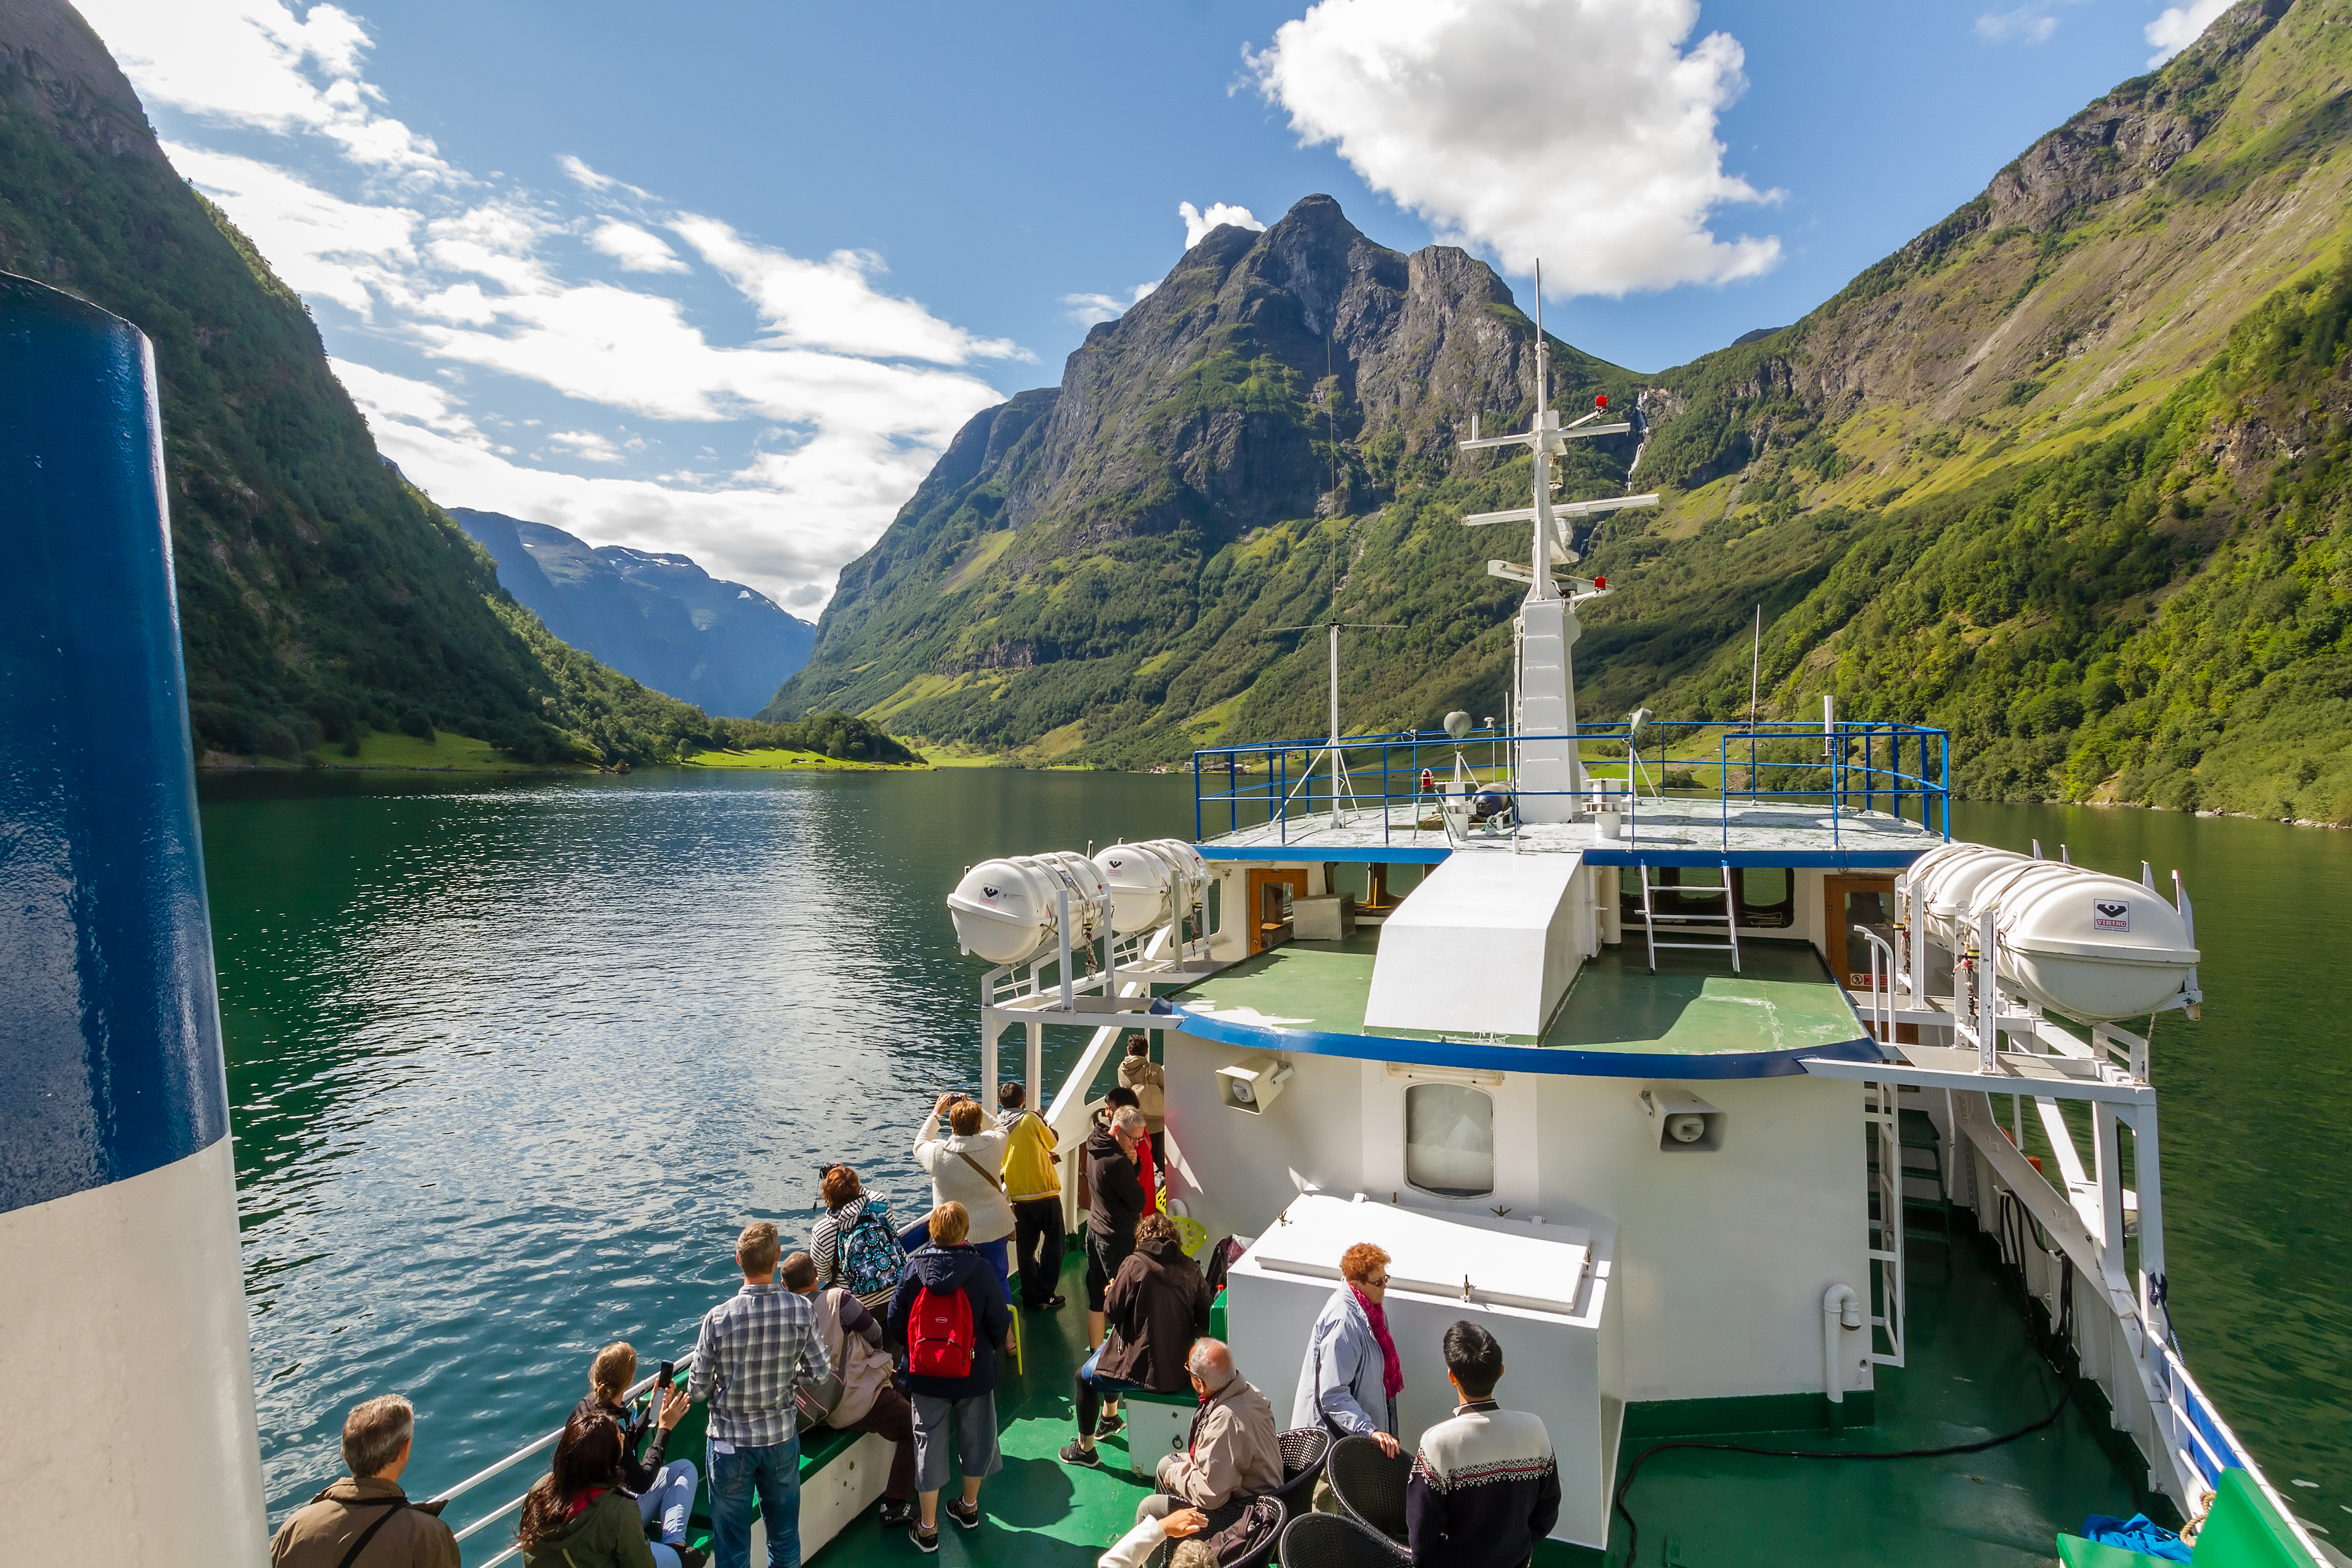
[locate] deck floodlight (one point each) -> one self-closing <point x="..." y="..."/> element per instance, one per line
<point x="1686" y="1123"/>
<point x="1254" y="1084"/>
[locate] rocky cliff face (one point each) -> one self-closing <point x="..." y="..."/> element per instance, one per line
<point x="1275" y="396"/>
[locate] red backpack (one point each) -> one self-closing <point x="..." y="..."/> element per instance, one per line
<point x="939" y="1340"/>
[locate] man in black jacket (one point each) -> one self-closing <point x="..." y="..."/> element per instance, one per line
<point x="1484" y="1488"/>
<point x="1116" y="1191"/>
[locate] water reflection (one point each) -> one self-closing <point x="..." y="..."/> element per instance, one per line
<point x="511" y="1063"/>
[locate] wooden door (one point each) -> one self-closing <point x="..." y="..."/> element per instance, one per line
<point x="1269" y="920"/>
<point x="1848" y="902"/>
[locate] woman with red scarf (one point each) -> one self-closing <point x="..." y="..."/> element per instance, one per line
<point x="1349" y="1382"/>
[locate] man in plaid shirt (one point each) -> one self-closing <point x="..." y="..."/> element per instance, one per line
<point x="755" y="1349"/>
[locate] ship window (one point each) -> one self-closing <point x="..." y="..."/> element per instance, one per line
<point x="1449" y="1139"/>
<point x="1767" y="896"/>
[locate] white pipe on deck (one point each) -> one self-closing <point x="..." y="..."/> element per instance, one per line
<point x="1840" y="1311"/>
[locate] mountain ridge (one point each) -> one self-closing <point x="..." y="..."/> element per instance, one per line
<point x="655" y="616"/>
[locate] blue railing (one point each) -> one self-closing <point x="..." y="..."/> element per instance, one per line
<point x="1902" y="770"/>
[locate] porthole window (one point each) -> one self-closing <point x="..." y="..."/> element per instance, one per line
<point x="1449" y="1139"/>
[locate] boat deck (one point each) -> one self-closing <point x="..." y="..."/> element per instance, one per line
<point x="1675" y="831"/>
<point x="1972" y="1373"/>
<point x="1783" y="1000"/>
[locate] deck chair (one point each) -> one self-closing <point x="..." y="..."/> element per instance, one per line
<point x="1370" y="1485"/>
<point x="1304" y="1449"/>
<point x="1328" y="1540"/>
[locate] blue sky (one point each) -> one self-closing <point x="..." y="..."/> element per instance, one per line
<point x="723" y="278"/>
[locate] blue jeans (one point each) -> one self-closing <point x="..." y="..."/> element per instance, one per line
<point x="1092" y="1387"/>
<point x="670" y="1498"/>
<point x="774" y="1473"/>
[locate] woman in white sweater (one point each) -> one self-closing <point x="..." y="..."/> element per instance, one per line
<point x="967" y="1167"/>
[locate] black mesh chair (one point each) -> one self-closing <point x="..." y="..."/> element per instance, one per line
<point x="1328" y="1541"/>
<point x="1303" y="1452"/>
<point x="1370" y="1485"/>
<point x="1249" y="1539"/>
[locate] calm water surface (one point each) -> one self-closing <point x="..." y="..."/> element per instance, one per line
<point x="510" y="1063"/>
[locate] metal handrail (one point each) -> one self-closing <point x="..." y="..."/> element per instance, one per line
<point x="1270" y="796"/>
<point x="537" y="1446"/>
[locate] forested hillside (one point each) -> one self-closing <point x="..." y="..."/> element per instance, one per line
<point x="319" y="592"/>
<point x="2066" y="473"/>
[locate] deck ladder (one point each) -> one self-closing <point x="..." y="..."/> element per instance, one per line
<point x="1728" y="919"/>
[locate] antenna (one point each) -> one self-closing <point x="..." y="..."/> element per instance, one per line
<point x="1339" y="784"/>
<point x="1755" y="665"/>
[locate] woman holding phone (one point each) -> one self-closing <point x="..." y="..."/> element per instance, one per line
<point x="662" y="1491"/>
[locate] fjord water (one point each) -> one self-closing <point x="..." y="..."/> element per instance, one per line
<point x="510" y="1062"/>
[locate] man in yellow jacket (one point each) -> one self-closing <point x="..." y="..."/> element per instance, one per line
<point x="1034" y="1186"/>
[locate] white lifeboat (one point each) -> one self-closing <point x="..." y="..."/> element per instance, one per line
<point x="1154" y="883"/>
<point x="1008" y="910"/>
<point x="2081" y="943"/>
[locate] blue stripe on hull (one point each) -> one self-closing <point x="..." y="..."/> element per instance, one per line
<point x="109" y="1029"/>
<point x="1520" y="1058"/>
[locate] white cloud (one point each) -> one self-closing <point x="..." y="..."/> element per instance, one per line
<point x="2181" y="25"/>
<point x="1090" y="308"/>
<point x="633" y="248"/>
<point x="1579" y="131"/>
<point x="814" y="430"/>
<point x="319" y="244"/>
<point x="2027" y="22"/>
<point x="1197" y="224"/>
<point x="587" y="443"/>
<point x="833" y="304"/>
<point x="256" y="63"/>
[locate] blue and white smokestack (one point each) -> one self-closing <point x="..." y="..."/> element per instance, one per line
<point x="120" y="1296"/>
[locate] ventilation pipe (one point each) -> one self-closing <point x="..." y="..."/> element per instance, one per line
<point x="1841" y="1315"/>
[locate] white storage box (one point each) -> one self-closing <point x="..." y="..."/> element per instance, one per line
<point x="1541" y="1290"/>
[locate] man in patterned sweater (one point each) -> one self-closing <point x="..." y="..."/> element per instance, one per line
<point x="1484" y="1489"/>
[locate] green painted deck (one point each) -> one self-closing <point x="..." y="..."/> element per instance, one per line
<point x="1972" y="1372"/>
<point x="1784" y="998"/>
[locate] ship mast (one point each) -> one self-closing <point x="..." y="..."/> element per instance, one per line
<point x="1550" y="776"/>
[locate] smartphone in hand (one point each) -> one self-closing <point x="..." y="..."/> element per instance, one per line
<point x="664" y="1380"/>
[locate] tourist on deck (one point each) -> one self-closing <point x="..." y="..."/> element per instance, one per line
<point x="1155" y="1308"/>
<point x="1148" y="1079"/>
<point x="578" y="1515"/>
<point x="967" y="1167"/>
<point x="756" y="1351"/>
<point x="663" y="1489"/>
<point x="1146" y="1151"/>
<point x="855" y="1243"/>
<point x="1117" y="1193"/>
<point x="1350" y="1380"/>
<point x="859" y="1396"/>
<point x="369" y="1504"/>
<point x="951" y="1314"/>
<point x="1033" y="1186"/>
<point x="1484" y="1488"/>
<point x="1233" y="1452"/>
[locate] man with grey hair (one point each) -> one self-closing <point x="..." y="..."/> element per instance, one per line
<point x="365" y="1520"/>
<point x="1233" y="1452"/>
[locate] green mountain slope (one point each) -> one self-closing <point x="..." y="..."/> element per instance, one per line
<point x="2064" y="473"/>
<point x="1103" y="568"/>
<point x="319" y="592"/>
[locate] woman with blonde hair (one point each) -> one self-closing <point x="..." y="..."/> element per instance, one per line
<point x="662" y="1492"/>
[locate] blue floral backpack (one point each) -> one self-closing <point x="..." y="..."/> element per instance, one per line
<point x="871" y="1258"/>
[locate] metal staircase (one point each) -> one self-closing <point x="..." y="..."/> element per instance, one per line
<point x="1728" y="920"/>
